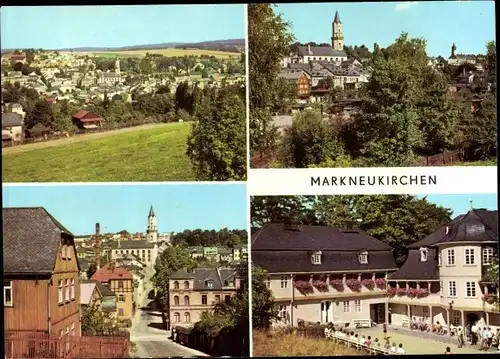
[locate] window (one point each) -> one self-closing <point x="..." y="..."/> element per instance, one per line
<point x="346" y="307"/>
<point x="440" y="259"/>
<point x="176" y="285"/>
<point x="227" y="298"/>
<point x="284" y="282"/>
<point x="487" y="256"/>
<point x="423" y="254"/>
<point x="72" y="329"/>
<point x="63" y="251"/>
<point x="451" y="257"/>
<point x="470" y="289"/>
<point x="204" y="299"/>
<point x="120" y="312"/>
<point x="72" y="288"/>
<point x="186" y="300"/>
<point x="177" y="317"/>
<point x="469" y="256"/>
<point x="186" y="285"/>
<point x="60" y="291"/>
<point x="217" y="299"/>
<point x="176" y="300"/>
<point x="283" y="313"/>
<point x="120" y="284"/>
<point x="357" y="305"/>
<point x="316" y="258"/>
<point x="121" y="298"/>
<point x="363" y="257"/>
<point x="66" y="289"/>
<point x="7" y="293"/>
<point x="187" y="317"/>
<point x="456" y="318"/>
<point x="452" y="289"/>
<point x="210" y="284"/>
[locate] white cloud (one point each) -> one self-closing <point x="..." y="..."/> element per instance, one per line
<point x="403" y="6"/>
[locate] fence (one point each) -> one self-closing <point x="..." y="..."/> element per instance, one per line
<point x="447" y="158"/>
<point x="22" y="345"/>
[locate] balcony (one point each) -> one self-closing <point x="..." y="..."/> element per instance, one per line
<point x="412" y="295"/>
<point x="338" y="287"/>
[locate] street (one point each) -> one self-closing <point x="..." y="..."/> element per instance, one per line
<point x="151" y="339"/>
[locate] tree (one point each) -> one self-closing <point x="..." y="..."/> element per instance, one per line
<point x="265" y="209"/>
<point x="92" y="269"/>
<point x="491" y="61"/>
<point x="94" y="321"/>
<point x="492" y="275"/>
<point x="310" y="140"/>
<point x="170" y="260"/>
<point x="269" y="40"/>
<point x="217" y="142"/>
<point x="264" y="311"/>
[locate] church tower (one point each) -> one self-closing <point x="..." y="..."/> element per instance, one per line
<point x="337" y="33"/>
<point x="152" y="231"/>
<point x="117" y="66"/>
<point x="453" y="50"/>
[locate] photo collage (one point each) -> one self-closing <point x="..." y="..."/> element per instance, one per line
<point x="239" y="180"/>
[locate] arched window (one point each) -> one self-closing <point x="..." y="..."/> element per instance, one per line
<point x="186" y="300"/>
<point x="186" y="285"/>
<point x="176" y="300"/>
<point x="187" y="317"/>
<point x="176" y="285"/>
<point x="177" y="317"/>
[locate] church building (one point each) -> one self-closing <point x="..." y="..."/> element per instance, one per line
<point x="146" y="250"/>
<point x="111" y="78"/>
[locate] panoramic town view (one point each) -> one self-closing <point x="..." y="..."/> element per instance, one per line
<point x="374" y="274"/>
<point x="347" y="92"/>
<point x="108" y="102"/>
<point x="125" y="271"/>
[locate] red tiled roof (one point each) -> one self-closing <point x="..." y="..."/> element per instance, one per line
<point x="106" y="273"/>
<point x="86" y="116"/>
<point x="50" y="99"/>
<point x="80" y="114"/>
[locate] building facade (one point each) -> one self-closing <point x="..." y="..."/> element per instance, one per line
<point x="192" y="292"/>
<point x="324" y="274"/>
<point x="444" y="278"/>
<point x="41" y="283"/>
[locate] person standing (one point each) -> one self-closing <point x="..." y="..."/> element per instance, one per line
<point x="474" y="331"/>
<point x="385" y="330"/>
<point x="460" y="336"/>
<point x="468" y="333"/>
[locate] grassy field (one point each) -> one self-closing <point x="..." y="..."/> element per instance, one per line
<point x="171" y="53"/>
<point x="492" y="162"/>
<point x="146" y="153"/>
<point x="265" y="344"/>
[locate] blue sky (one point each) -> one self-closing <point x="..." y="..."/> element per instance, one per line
<point x="469" y="24"/>
<point x="177" y="206"/>
<point x="460" y="203"/>
<point x="52" y="27"/>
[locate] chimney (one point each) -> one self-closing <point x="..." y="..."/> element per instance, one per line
<point x="97" y="245"/>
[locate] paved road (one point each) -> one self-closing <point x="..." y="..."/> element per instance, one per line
<point x="151" y="340"/>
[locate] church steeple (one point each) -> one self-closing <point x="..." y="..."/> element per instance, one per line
<point x="453" y="50"/>
<point x="151" y="212"/>
<point x="337" y="34"/>
<point x="337" y="18"/>
<point x="152" y="229"/>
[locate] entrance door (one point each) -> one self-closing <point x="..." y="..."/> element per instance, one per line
<point x="380" y="313"/>
<point x="472" y="318"/>
<point x="326" y="315"/>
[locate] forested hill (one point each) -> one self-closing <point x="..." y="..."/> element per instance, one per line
<point x="231" y="45"/>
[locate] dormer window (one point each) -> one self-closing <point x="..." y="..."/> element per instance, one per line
<point x="316" y="257"/>
<point x="423" y="254"/>
<point x="363" y="257"/>
<point x="210" y="283"/>
<point x="447" y="230"/>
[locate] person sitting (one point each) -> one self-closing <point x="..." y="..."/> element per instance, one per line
<point x="376" y="343"/>
<point x="439" y="328"/>
<point x="327" y="332"/>
<point x="368" y="341"/>
<point x="400" y="349"/>
<point x="414" y="323"/>
<point x="448" y="350"/>
<point x="387" y="345"/>
<point x="353" y="337"/>
<point x="393" y="349"/>
<point x="490" y="337"/>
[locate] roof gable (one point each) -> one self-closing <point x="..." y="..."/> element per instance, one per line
<point x="31" y="240"/>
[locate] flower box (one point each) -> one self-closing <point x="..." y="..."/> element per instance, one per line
<point x="381" y="283"/>
<point x="391" y="292"/>
<point x="303" y="286"/>
<point x="421" y="293"/>
<point x="337" y="284"/>
<point x="368" y="283"/>
<point x="400" y="292"/>
<point x="320" y="284"/>
<point x="490" y="298"/>
<point x="354" y="285"/>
